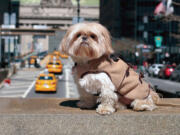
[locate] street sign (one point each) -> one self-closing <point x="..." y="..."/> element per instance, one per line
<point x="159" y="50"/>
<point x="158" y="40"/>
<point x="146" y="50"/>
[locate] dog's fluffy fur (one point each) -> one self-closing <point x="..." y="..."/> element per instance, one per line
<point x="88" y="41"/>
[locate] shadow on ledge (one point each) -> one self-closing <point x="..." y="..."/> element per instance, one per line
<point x="69" y="103"/>
<point x="72" y="103"/>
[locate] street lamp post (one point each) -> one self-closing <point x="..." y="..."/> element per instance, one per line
<point x="78" y="11"/>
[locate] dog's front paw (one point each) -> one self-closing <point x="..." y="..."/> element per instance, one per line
<point x="105" y="109"/>
<point x="143" y="105"/>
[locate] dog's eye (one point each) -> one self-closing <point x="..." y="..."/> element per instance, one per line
<point x="78" y="35"/>
<point x="93" y="36"/>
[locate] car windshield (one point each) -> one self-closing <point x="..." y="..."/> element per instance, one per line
<point x="45" y="78"/>
<point x="51" y="63"/>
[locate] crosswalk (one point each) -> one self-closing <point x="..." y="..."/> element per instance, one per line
<point x="20" y="82"/>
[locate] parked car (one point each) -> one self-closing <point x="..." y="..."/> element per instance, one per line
<point x="168" y="70"/>
<point x="154" y="69"/>
<point x="175" y="75"/>
<point x="165" y="72"/>
<point x="161" y="72"/>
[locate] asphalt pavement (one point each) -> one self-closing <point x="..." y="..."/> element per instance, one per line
<point x="165" y="85"/>
<point x="23" y="83"/>
<point x="66" y="86"/>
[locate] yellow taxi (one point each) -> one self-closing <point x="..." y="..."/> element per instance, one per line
<point x="53" y="57"/>
<point x="54" y="66"/>
<point x="46" y="82"/>
<point x="63" y="56"/>
<point x="57" y="53"/>
<point x="32" y="60"/>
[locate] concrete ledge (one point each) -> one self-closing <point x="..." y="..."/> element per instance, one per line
<point x="61" y="116"/>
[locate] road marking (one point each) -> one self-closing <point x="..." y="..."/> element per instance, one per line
<point x="17" y="95"/>
<point x="29" y="89"/>
<point x="12" y="91"/>
<point x="67" y="83"/>
<point x="15" y="87"/>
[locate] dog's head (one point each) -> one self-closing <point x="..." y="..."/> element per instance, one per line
<point x="86" y="41"/>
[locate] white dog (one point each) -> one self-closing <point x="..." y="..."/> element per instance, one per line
<point x="99" y="78"/>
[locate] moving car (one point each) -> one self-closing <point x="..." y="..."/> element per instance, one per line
<point x="54" y="57"/>
<point x="54" y="66"/>
<point x="154" y="69"/>
<point x="57" y="53"/>
<point x="32" y="60"/>
<point x="46" y="82"/>
<point x="63" y="56"/>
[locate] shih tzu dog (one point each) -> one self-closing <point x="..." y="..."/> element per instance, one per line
<point x="100" y="78"/>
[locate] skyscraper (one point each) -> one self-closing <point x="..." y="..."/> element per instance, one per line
<point x="135" y="19"/>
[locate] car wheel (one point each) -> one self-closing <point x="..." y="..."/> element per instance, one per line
<point x="163" y="76"/>
<point x="171" y="78"/>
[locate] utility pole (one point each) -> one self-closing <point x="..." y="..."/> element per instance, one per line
<point x="170" y="41"/>
<point x="78" y="10"/>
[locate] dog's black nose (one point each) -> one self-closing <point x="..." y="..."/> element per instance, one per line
<point x="84" y="38"/>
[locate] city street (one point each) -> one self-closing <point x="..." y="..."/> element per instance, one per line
<point x="23" y="84"/>
<point x="122" y="50"/>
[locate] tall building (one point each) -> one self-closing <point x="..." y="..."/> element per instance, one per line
<point x="135" y="19"/>
<point x="4" y="7"/>
<point x="9" y="11"/>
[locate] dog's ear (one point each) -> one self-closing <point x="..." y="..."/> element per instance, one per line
<point x="107" y="41"/>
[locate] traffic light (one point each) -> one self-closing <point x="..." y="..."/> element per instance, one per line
<point x="158" y="41"/>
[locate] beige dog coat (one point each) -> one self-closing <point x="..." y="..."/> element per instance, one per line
<point x="128" y="83"/>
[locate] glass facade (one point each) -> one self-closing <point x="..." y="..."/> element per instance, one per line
<point x="136" y="20"/>
<point x="9" y="12"/>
